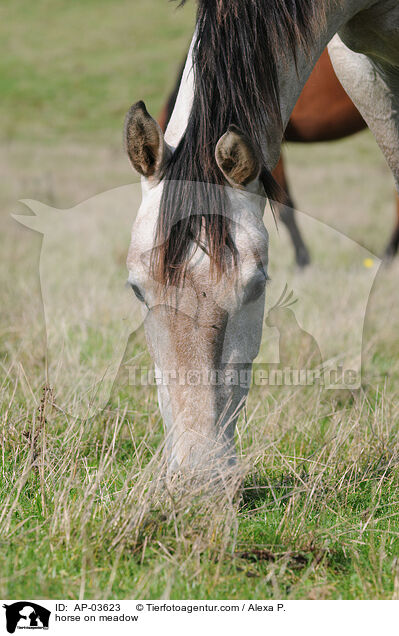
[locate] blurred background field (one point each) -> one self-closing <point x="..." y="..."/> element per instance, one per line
<point x="79" y="512"/>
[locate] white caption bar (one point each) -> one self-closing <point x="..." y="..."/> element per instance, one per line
<point x="192" y="617"/>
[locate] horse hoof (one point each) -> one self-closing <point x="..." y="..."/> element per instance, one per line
<point x="302" y="258"/>
<point x="389" y="254"/>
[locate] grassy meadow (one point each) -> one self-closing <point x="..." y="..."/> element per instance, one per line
<point x="83" y="508"/>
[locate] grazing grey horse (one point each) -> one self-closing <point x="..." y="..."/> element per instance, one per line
<point x="199" y="250"/>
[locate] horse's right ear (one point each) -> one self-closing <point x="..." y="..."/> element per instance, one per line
<point x="144" y="142"/>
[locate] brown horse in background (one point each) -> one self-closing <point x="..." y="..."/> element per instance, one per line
<point x="323" y="112"/>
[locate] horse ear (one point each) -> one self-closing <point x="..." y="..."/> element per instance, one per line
<point x="144" y="141"/>
<point x="237" y="158"/>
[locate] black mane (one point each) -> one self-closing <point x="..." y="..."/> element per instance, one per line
<point x="238" y="50"/>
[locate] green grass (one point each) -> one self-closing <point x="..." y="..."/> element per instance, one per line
<point x="82" y="512"/>
<point x="72" y="69"/>
<point x="83" y="509"/>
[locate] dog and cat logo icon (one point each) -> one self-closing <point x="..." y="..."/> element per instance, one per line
<point x="26" y="615"/>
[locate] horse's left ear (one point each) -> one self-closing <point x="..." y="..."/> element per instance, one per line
<point x="144" y="141"/>
<point x="237" y="158"/>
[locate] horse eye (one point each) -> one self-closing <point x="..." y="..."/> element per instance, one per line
<point x="255" y="287"/>
<point x="138" y="293"/>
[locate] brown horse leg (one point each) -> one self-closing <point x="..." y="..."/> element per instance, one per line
<point x="393" y="244"/>
<point x="287" y="216"/>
